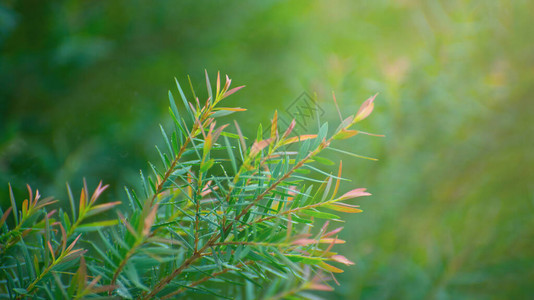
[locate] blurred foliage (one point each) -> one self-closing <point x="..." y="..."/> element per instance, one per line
<point x="82" y="88"/>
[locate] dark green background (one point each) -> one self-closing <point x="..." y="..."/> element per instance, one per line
<point x="83" y="88"/>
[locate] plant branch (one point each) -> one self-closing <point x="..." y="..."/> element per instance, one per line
<point x="162" y="283"/>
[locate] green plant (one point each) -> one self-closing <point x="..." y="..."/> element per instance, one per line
<point x="216" y="217"/>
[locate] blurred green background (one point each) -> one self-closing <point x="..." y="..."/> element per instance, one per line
<point x="83" y="86"/>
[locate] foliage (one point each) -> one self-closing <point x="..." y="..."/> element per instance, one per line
<point x="215" y="217"/>
<point x="453" y="220"/>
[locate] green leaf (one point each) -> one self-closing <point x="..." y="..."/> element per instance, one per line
<point x="206" y="165"/>
<point x="259" y="133"/>
<point x="103" y="255"/>
<point x="181" y="171"/>
<point x="13" y="204"/>
<point x="191" y="86"/>
<point x="179" y="236"/>
<point x="27" y="259"/>
<point x="302" y="197"/>
<point x="232" y="135"/>
<point x="328" y="175"/>
<point x="319" y="214"/>
<point x="202" y="268"/>
<point x="303" y="150"/>
<point x="166" y="139"/>
<point x="300" y="220"/>
<point x="208" y="85"/>
<point x="323" y="131"/>
<point x="145" y="185"/>
<point x="133" y="199"/>
<point x="155" y="171"/>
<point x="327" y="189"/>
<point x="47" y="238"/>
<point x="96" y="225"/>
<point x="222" y="113"/>
<point x="174" y="142"/>
<point x="173" y="106"/>
<point x="131" y="273"/>
<point x="341" y="208"/>
<point x="351" y="154"/>
<point x="324" y="161"/>
<point x="4" y="215"/>
<point x="162" y="157"/>
<point x="108" y="245"/>
<point x="304" y="259"/>
<point x="66" y="221"/>
<point x="231" y="154"/>
<point x="123" y="291"/>
<point x="36" y="265"/>
<point x="101" y="208"/>
<point x="184" y="99"/>
<point x="330" y="268"/>
<point x="345" y="134"/>
<point x="71" y="202"/>
<point x="178" y="124"/>
<point x="20" y="291"/>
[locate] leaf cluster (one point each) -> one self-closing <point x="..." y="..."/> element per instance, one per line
<point x="217" y="215"/>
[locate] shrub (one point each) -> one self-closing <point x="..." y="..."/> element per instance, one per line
<point x="215" y="217"/>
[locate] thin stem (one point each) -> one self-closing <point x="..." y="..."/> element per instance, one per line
<point x="45" y="271"/>
<point x="128" y="255"/>
<point x="196" y="255"/>
<point x="204" y="115"/>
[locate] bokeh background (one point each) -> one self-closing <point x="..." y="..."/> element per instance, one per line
<point x="83" y="87"/>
